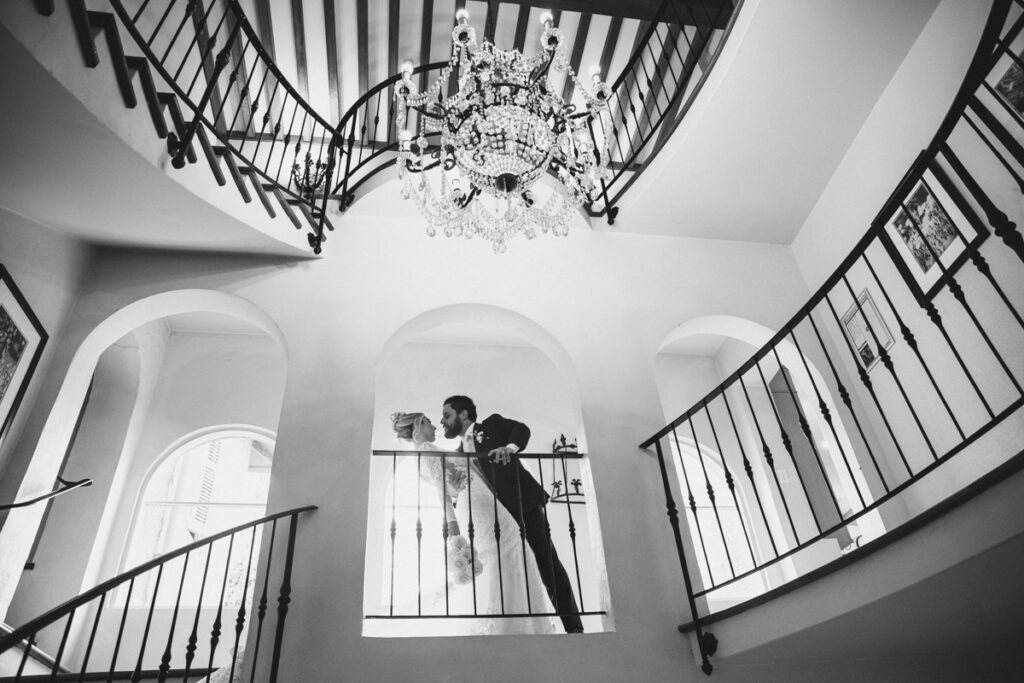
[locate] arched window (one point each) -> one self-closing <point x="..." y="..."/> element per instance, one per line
<point x="206" y="486"/>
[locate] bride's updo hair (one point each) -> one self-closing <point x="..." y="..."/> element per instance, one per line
<point x="404" y="424"/>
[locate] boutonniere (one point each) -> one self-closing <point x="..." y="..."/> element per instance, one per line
<point x="478" y="435"/>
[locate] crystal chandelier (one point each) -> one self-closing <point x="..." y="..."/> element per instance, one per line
<point x="504" y="128"/>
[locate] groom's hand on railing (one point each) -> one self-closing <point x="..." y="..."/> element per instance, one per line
<point x="503" y="455"/>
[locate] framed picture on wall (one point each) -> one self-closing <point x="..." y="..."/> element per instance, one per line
<point x="1010" y="85"/>
<point x="929" y="235"/>
<point x="866" y="341"/>
<point x="21" y="343"/>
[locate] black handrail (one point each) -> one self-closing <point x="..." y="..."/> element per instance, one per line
<point x="22" y="632"/>
<point x="93" y="601"/>
<point x="66" y="486"/>
<point x="938" y="205"/>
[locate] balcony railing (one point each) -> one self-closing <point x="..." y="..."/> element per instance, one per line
<point x="425" y="527"/>
<point x="846" y="425"/>
<point x="670" y="60"/>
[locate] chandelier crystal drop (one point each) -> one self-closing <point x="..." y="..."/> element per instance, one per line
<point x="471" y="161"/>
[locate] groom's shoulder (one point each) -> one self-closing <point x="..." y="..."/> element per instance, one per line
<point x="494" y="417"/>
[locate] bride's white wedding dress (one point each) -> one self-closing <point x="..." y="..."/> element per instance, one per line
<point x="510" y="582"/>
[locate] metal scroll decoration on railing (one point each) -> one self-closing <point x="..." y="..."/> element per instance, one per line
<point x="210" y="57"/>
<point x="205" y="586"/>
<point x="672" y="56"/>
<point x="907" y="355"/>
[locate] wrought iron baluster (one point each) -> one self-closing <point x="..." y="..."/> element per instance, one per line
<point x="284" y="598"/>
<point x="190" y="6"/>
<point x="522" y="538"/>
<point x="165" y="661"/>
<point x="197" y="22"/>
<point x="120" y="630"/>
<point x="243" y="91"/>
<point x="285" y="142"/>
<point x="92" y="637"/>
<point x="419" y="534"/>
<point x="979" y="261"/>
<point x="750" y="474"/>
<point x="729" y="483"/>
<point x="470" y="529"/>
<point x="137" y="673"/>
<point x="826" y="414"/>
<point x="673" y="518"/>
<point x="958" y="293"/>
<point x="262" y="609"/>
<point x="193" y="638"/>
<point x="769" y="459"/>
<point x="216" y="630"/>
<point x="866" y="381"/>
<point x="29" y="644"/>
<point x="788" y="444"/>
<point x="240" y="619"/>
<point x="572" y="538"/>
<point x="693" y="505"/>
<point x="911" y="340"/>
<point x="253" y="108"/>
<point x="1004" y="138"/>
<point x="205" y="52"/>
<point x="159" y="23"/>
<point x="394" y="529"/>
<point x="497" y="541"/>
<point x="711" y="496"/>
<point x="60" y="649"/>
<point x="444" y="529"/>
<point x="844" y="395"/>
<point x="1002" y="226"/>
<point x="805" y="428"/>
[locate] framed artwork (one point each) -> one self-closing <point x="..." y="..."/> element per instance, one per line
<point x="21" y="343"/>
<point x="1011" y="85"/>
<point x="928" y="236"/>
<point x="866" y="341"/>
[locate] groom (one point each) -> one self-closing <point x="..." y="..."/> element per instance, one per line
<point x="496" y="440"/>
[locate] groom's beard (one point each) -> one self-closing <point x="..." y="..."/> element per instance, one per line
<point x="455" y="430"/>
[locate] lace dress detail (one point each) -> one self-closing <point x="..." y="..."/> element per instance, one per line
<point x="510" y="582"/>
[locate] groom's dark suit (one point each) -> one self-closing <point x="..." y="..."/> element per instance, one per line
<point x="525" y="499"/>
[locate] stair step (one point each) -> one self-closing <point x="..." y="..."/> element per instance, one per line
<point x="141" y="67"/>
<point x="229" y="156"/>
<point x="212" y="157"/>
<point x="80" y="20"/>
<point x="312" y="215"/>
<point x="106" y="22"/>
<point x="257" y="184"/>
<point x="282" y="198"/>
<point x="170" y="101"/>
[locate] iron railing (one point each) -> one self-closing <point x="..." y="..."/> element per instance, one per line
<point x="907" y="355"/>
<point x="65" y="486"/>
<point x="130" y="627"/>
<point x="671" y="57"/>
<point x="424" y="576"/>
<point x="210" y="56"/>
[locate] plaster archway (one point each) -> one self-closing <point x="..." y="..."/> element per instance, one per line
<point x="20" y="529"/>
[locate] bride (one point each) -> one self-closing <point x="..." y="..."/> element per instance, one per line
<point x="509" y="581"/>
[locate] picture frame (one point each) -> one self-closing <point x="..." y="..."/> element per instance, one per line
<point x="1010" y="85"/>
<point x="930" y="233"/>
<point x="865" y="341"/>
<point x="22" y="339"/>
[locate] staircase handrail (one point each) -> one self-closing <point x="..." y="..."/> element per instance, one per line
<point x="65" y="487"/>
<point x="19" y="634"/>
<point x="956" y="182"/>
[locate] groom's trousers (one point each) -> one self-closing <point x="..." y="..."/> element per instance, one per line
<point x="551" y="570"/>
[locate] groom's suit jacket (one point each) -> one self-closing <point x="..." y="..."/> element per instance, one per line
<point x="497" y="431"/>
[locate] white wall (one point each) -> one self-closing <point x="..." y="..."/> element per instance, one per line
<point x="336" y="316"/>
<point x="47" y="267"/>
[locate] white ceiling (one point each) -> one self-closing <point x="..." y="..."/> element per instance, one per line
<point x="748" y="164"/>
<point x="752" y="157"/>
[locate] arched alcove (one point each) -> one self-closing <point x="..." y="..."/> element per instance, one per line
<point x="815" y="479"/>
<point x="203" y="357"/>
<point x="507" y="364"/>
